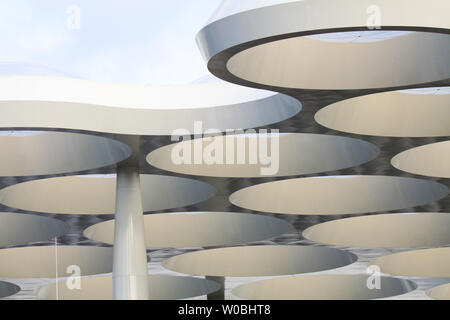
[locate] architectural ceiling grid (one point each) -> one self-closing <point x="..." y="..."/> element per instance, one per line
<point x="233" y="54"/>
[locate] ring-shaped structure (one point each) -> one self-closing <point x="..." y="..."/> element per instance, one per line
<point x="290" y="154"/>
<point x="55" y="261"/>
<point x="162" y="287"/>
<point x="240" y="45"/>
<point x="400" y="230"/>
<point x="52" y="102"/>
<point x="18" y="228"/>
<point x="323" y="287"/>
<point x="198" y="229"/>
<point x="390" y="114"/>
<point x="259" y="261"/>
<point x="426" y="263"/>
<point x="440" y="292"/>
<point x="51" y="152"/>
<point x="331" y="195"/>
<point x="428" y="160"/>
<point x="96" y="194"/>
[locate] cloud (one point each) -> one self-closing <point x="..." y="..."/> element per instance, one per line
<point x="140" y="41"/>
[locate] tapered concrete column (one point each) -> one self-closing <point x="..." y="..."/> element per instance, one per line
<point x="130" y="279"/>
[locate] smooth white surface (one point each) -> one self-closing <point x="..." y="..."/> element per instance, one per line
<point x="296" y="153"/>
<point x="258" y="261"/>
<point x="391" y="114"/>
<point x="244" y="47"/>
<point x="52" y="102"/>
<point x="97" y="195"/>
<point x="161" y="287"/>
<point x="54" y="261"/>
<point x="428" y="160"/>
<point x="402" y="230"/>
<point x="427" y="263"/>
<point x="168" y="97"/>
<point x="19" y="228"/>
<point x="198" y="229"/>
<point x="323" y="287"/>
<point x="230" y="7"/>
<point x="329" y="195"/>
<point x="51" y="152"/>
<point x="440" y="292"/>
<point x="130" y="256"/>
<point x="345" y="65"/>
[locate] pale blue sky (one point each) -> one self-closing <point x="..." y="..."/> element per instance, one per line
<point x="133" y="41"/>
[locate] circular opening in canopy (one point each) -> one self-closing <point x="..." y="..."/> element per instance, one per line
<point x="311" y="63"/>
<point x="428" y="160"/>
<point x="162" y="287"/>
<point x="18" y="228"/>
<point x="427" y="263"/>
<point x="26" y="153"/>
<point x="323" y="287"/>
<point x="96" y="194"/>
<point x="328" y="45"/>
<point x="330" y="195"/>
<point x="440" y="292"/>
<point x="259" y="155"/>
<point x="198" y="229"/>
<point x="254" y="261"/>
<point x="390" y="114"/>
<point x="404" y="230"/>
<point x="55" y="261"/>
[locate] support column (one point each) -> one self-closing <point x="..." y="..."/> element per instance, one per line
<point x="219" y="294"/>
<point x="130" y="274"/>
